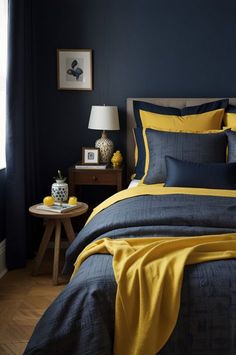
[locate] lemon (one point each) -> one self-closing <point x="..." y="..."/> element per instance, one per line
<point x="48" y="201"/>
<point x="72" y="200"/>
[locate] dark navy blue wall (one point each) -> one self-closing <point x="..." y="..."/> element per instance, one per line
<point x="158" y="48"/>
<point x="2" y="204"/>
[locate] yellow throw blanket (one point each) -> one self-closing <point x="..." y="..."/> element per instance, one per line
<point x="149" y="273"/>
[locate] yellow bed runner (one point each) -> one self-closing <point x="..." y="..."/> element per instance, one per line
<point x="149" y="273"/>
<point x="159" y="189"/>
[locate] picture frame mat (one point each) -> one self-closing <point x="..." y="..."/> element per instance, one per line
<point x="65" y="58"/>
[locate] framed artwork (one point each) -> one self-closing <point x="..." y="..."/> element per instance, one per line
<point x="74" y="69"/>
<point x="90" y="155"/>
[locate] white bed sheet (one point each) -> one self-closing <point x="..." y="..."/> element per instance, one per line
<point x="133" y="183"/>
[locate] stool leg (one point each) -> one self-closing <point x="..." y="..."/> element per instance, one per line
<point x="43" y="245"/>
<point x="56" y="252"/>
<point x="69" y="229"/>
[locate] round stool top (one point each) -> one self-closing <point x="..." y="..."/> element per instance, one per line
<point x="81" y="209"/>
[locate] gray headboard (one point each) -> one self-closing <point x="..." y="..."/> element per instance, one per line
<point x="175" y="102"/>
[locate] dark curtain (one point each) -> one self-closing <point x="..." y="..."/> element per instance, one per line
<point x="21" y="172"/>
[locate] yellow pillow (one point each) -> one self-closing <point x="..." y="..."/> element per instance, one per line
<point x="230" y="119"/>
<point x="196" y="122"/>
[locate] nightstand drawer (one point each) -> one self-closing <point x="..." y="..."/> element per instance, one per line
<point x="109" y="176"/>
<point x="95" y="178"/>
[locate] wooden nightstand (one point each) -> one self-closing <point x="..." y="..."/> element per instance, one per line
<point x="109" y="176"/>
<point x="54" y="222"/>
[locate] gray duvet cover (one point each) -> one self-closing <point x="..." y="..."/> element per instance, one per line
<point x="81" y="319"/>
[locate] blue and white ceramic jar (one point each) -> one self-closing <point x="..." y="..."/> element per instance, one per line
<point x="60" y="191"/>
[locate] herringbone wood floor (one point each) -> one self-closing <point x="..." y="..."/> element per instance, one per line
<point x="23" y="299"/>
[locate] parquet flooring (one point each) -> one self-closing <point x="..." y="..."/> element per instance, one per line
<point x="23" y="299"/>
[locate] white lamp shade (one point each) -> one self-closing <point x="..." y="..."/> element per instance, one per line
<point x="104" y="118"/>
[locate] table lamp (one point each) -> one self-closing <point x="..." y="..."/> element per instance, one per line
<point x="104" y="118"/>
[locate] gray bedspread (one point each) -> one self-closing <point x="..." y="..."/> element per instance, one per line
<point x="81" y="319"/>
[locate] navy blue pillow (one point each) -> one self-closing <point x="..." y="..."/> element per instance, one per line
<point x="182" y="173"/>
<point x="231" y="109"/>
<point x="194" y="147"/>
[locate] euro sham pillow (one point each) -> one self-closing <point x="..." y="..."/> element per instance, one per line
<point x="194" y="147"/>
<point x="180" y="173"/>
<point x="203" y="117"/>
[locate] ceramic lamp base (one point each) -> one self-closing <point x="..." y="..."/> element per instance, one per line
<point x="106" y="148"/>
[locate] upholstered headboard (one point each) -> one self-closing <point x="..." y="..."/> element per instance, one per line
<point x="175" y="102"/>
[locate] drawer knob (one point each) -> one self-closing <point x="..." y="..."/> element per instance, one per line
<point x="94" y="178"/>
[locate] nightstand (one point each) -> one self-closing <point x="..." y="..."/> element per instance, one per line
<point x="80" y="177"/>
<point x="54" y="222"/>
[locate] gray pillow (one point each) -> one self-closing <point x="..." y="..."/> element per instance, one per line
<point x="193" y="147"/>
<point x="231" y="146"/>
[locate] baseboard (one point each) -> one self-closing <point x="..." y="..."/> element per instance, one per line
<point x="3" y="268"/>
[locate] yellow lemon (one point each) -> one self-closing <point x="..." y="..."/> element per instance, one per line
<point x="72" y="200"/>
<point x="48" y="201"/>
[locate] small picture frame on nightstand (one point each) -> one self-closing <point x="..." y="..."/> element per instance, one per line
<point x="90" y="155"/>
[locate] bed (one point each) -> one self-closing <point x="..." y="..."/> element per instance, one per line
<point x="82" y="318"/>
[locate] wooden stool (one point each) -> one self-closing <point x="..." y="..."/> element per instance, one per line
<point x="54" y="220"/>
